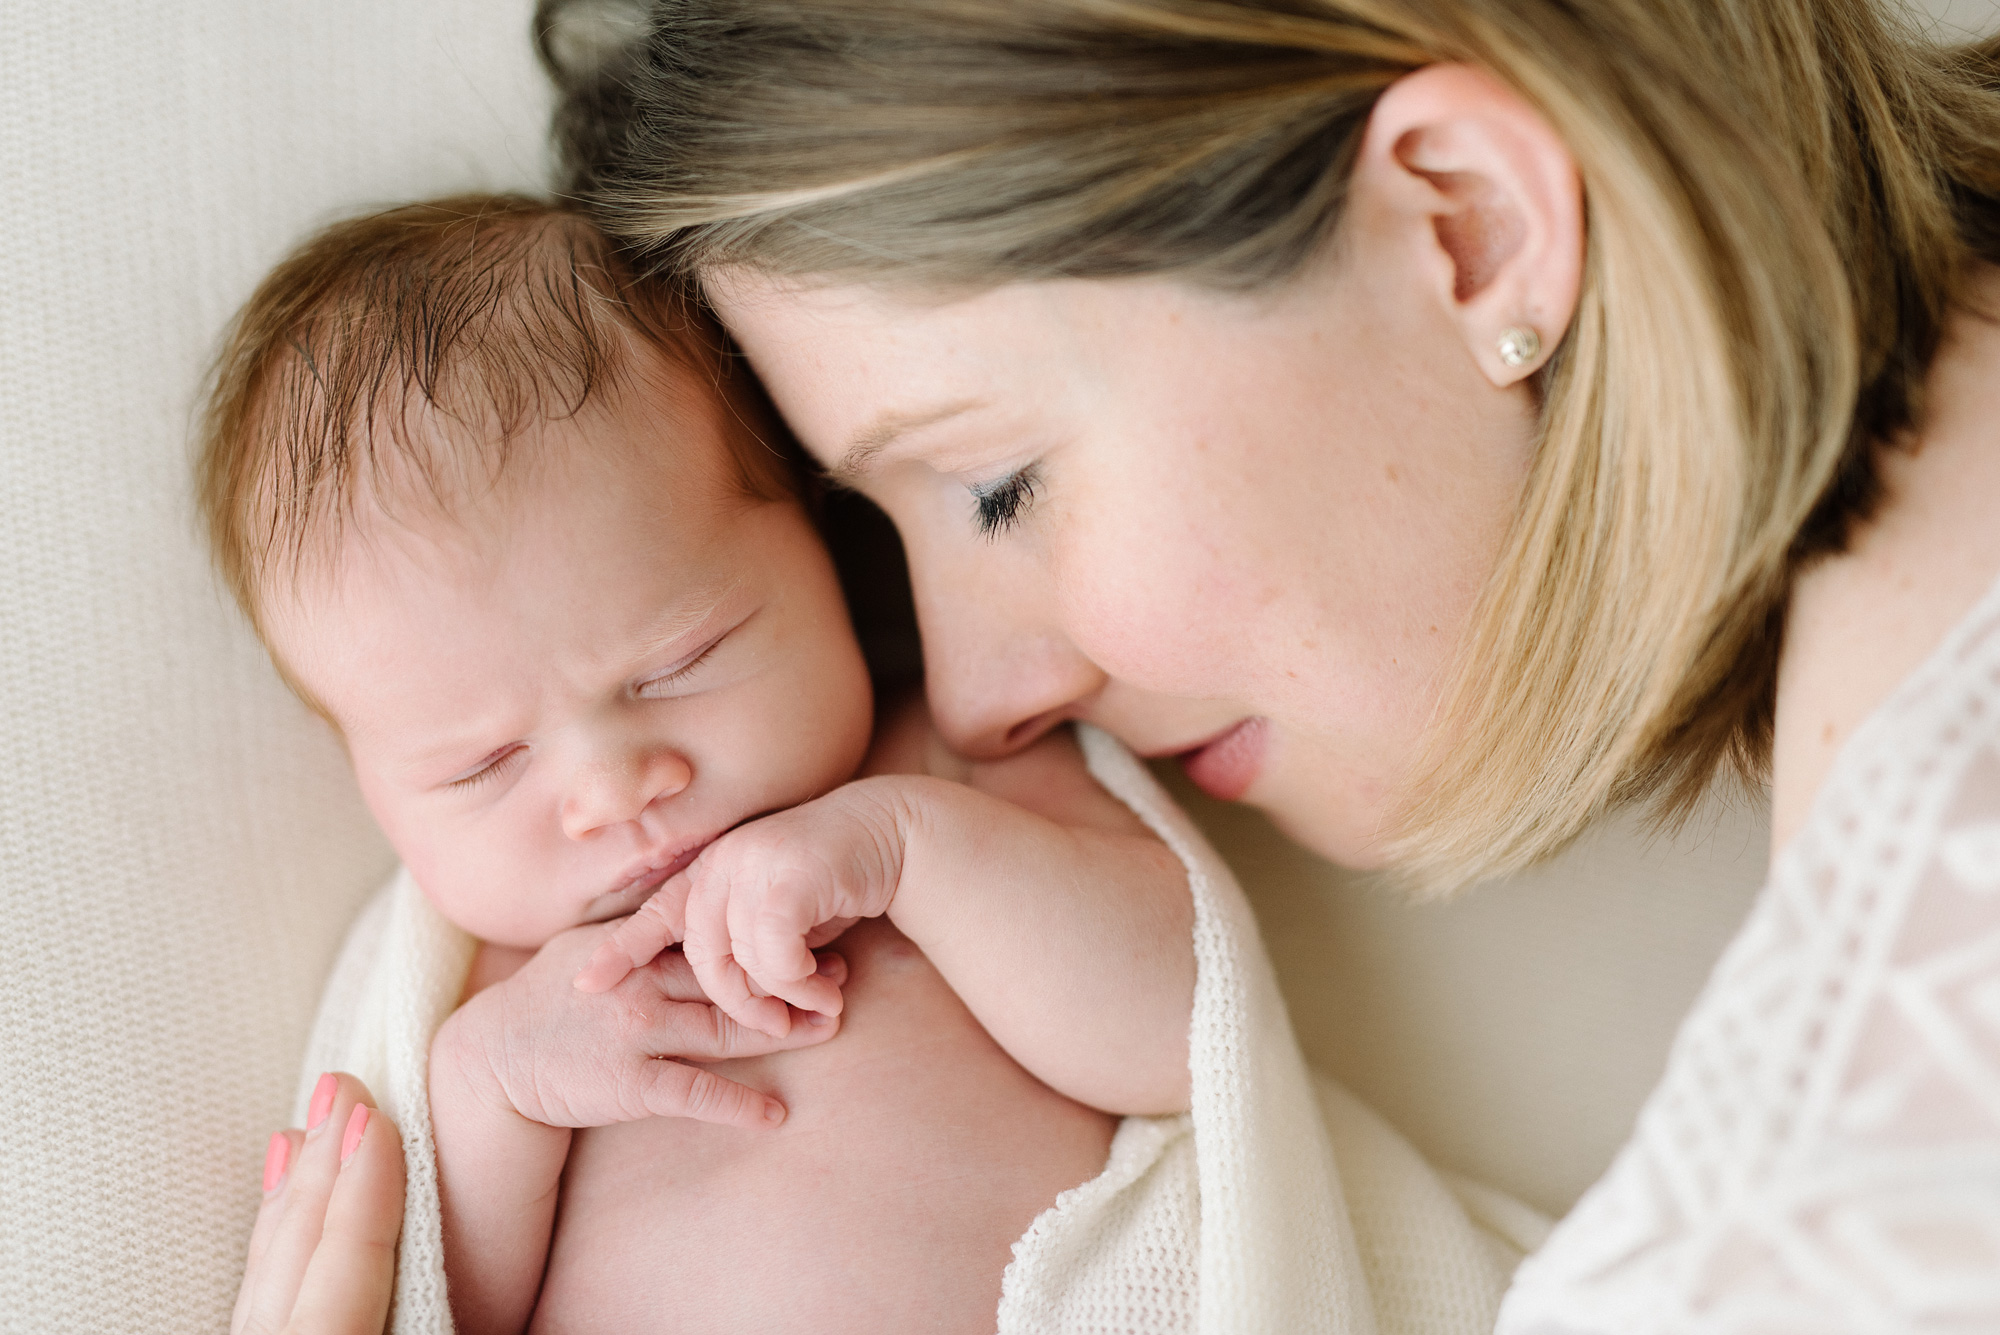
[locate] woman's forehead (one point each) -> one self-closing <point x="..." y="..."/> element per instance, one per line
<point x="855" y="368"/>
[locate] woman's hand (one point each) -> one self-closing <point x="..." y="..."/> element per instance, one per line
<point x="323" y="1253"/>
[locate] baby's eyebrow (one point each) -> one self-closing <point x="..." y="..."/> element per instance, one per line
<point x="684" y="619"/>
<point x="459" y="748"/>
<point x="884" y="431"/>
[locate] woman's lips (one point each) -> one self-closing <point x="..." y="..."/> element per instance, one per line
<point x="1226" y="766"/>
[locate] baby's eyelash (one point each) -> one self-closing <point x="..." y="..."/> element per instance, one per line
<point x="999" y="505"/>
<point x="498" y="762"/>
<point x="684" y="670"/>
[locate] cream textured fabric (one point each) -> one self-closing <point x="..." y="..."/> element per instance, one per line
<point x="1823" y="1153"/>
<point x="180" y="843"/>
<point x="1277" y="1206"/>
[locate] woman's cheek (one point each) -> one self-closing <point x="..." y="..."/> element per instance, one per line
<point x="1154" y="608"/>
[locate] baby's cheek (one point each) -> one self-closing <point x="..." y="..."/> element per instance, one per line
<point x="477" y="890"/>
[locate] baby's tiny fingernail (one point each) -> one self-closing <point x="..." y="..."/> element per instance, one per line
<point x="774" y="1111"/>
<point x="357" y="1122"/>
<point x="277" y="1156"/>
<point x="817" y="1020"/>
<point x="322" y="1102"/>
<point x="829" y="965"/>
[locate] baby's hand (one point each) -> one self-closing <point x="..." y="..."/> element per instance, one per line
<point x="568" y="1059"/>
<point x="757" y="901"/>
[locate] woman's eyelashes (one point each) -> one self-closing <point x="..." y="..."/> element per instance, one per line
<point x="999" y="505"/>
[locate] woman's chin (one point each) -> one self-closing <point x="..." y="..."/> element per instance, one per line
<point x="1320" y="807"/>
<point x="1339" y="816"/>
<point x="1357" y="849"/>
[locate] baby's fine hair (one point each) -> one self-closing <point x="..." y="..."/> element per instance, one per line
<point x="483" y="315"/>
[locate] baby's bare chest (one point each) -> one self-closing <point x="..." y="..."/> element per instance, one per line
<point x="915" y="1152"/>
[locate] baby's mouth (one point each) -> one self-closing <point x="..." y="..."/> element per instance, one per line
<point x="637" y="886"/>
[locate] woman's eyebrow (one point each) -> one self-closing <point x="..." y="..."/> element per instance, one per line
<point x="878" y="435"/>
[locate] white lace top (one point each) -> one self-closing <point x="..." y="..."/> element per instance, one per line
<point x="1823" y="1152"/>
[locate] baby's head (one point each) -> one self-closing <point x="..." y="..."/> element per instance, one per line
<point x="502" y="515"/>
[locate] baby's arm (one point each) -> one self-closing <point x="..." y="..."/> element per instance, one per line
<point x="1062" y="923"/>
<point x="527" y="1059"/>
<point x="1057" y="916"/>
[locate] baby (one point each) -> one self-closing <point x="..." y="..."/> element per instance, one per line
<point x="503" y="515"/>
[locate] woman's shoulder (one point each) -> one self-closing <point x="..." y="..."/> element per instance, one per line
<point x="1861" y="622"/>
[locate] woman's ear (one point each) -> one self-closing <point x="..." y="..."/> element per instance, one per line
<point x="1486" y="195"/>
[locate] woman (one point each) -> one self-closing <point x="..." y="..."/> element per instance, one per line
<point x="1440" y="423"/>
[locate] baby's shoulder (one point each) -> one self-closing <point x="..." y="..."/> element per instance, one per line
<point x="1048" y="776"/>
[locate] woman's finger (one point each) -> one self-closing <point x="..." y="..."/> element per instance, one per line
<point x="349" y="1280"/>
<point x="280" y="1153"/>
<point x="271" y="1285"/>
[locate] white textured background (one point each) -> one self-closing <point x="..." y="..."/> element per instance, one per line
<point x="179" y="843"/>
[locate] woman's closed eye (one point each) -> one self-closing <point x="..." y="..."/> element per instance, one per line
<point x="999" y="505"/>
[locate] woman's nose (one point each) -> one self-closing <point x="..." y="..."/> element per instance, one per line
<point x="612" y="790"/>
<point x="998" y="670"/>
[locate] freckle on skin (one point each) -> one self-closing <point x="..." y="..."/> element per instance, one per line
<point x="1391" y="473"/>
<point x="1826" y="733"/>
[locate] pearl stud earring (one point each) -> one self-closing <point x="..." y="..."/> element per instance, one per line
<point x="1519" y="345"/>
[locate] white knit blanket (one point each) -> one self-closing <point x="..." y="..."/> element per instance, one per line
<point x="1277" y="1206"/>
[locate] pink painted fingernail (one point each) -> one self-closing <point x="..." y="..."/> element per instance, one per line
<point x="357" y="1122"/>
<point x="277" y="1155"/>
<point x="322" y="1102"/>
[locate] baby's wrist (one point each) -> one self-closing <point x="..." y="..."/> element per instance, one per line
<point x="892" y="807"/>
<point x="462" y="1069"/>
<point x="909" y="810"/>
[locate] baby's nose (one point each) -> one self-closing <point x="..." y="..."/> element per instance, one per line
<point x="611" y="794"/>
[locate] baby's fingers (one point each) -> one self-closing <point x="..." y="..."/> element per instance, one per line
<point x="707" y="947"/>
<point x="732" y="991"/>
<point x="675" y="978"/>
<point x="633" y="944"/>
<point x="815" y="992"/>
<point x="675" y="1089"/>
<point x="768" y="939"/>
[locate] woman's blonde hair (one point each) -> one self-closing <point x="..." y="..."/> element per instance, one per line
<point x="1781" y="198"/>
